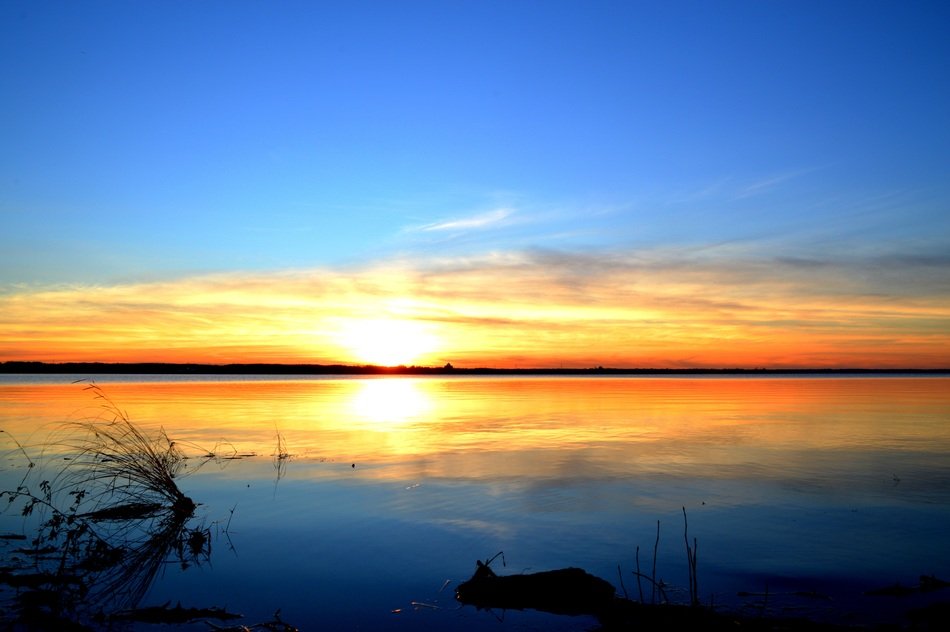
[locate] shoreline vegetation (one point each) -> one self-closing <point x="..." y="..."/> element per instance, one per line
<point x="101" y="524"/>
<point x="166" y="368"/>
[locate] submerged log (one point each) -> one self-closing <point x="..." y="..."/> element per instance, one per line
<point x="571" y="591"/>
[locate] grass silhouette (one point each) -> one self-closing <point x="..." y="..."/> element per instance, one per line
<point x="124" y="472"/>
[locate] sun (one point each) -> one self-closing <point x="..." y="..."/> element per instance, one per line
<point x="387" y="342"/>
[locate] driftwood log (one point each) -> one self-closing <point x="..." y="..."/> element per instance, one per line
<point x="570" y="591"/>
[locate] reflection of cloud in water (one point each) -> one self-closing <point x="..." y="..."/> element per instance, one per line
<point x="493" y="529"/>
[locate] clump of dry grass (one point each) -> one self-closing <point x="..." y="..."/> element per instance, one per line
<point x="105" y="468"/>
<point x="691" y="563"/>
<point x="110" y="515"/>
<point x="121" y="468"/>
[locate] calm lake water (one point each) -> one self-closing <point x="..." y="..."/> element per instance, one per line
<point x="395" y="486"/>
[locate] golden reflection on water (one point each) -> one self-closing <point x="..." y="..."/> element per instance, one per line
<point x="381" y="403"/>
<point x="505" y="428"/>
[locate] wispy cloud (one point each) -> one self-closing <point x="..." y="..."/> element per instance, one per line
<point x="473" y="222"/>
<point x="768" y="183"/>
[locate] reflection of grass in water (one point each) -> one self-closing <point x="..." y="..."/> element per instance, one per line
<point x="145" y="548"/>
<point x="107" y="520"/>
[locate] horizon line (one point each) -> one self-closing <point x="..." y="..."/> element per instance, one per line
<point x="279" y="368"/>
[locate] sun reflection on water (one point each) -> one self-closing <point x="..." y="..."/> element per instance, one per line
<point x="388" y="401"/>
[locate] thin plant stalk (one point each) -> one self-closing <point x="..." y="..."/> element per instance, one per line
<point x="691" y="562"/>
<point x="639" y="585"/>
<point x="656" y="545"/>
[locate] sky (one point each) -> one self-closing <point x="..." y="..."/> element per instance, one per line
<point x="518" y="183"/>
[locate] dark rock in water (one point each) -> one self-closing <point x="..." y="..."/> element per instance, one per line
<point x="570" y="591"/>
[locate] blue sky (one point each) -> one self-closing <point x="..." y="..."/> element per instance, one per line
<point x="156" y="138"/>
<point x="152" y="141"/>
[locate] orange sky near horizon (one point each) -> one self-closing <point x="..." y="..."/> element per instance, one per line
<point x="498" y="312"/>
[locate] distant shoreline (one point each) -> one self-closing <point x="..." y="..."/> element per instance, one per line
<point x="161" y="368"/>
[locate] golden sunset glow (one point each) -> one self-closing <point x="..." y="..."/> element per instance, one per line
<point x="386" y="342"/>
<point x="501" y="312"/>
